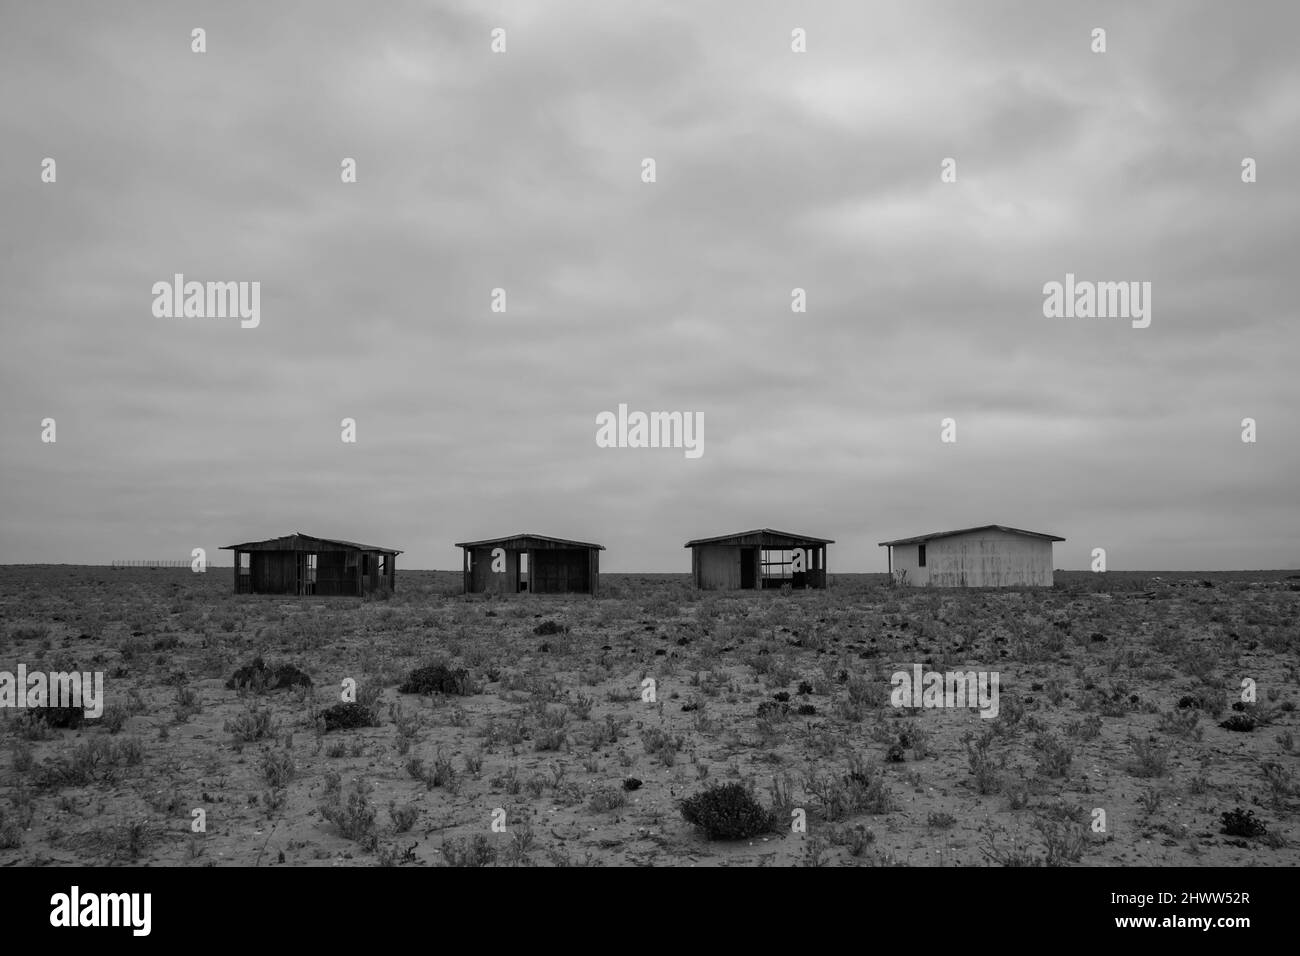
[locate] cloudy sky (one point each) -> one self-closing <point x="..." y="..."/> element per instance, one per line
<point x="775" y="170"/>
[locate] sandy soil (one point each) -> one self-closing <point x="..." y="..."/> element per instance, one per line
<point x="1092" y="674"/>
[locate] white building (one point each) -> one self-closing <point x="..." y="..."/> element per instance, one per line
<point x="986" y="557"/>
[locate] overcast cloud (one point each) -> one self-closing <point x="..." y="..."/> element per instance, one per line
<point x="775" y="170"/>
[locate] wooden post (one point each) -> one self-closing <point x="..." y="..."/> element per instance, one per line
<point x="236" y="572"/>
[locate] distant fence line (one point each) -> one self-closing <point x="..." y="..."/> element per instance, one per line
<point x="184" y="563"/>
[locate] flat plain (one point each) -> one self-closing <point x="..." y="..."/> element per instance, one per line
<point x="1126" y="731"/>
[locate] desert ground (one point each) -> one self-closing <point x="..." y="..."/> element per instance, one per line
<point x="525" y="735"/>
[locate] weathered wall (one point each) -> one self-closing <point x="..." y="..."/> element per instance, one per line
<point x="988" y="558"/>
<point x="281" y="572"/>
<point x="719" y="567"/>
<point x="483" y="579"/>
<point x="334" y="574"/>
<point x="559" y="571"/>
<point x="905" y="559"/>
<point x="274" y="572"/>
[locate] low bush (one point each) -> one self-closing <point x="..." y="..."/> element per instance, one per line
<point x="437" y="679"/>
<point x="1242" y="823"/>
<point x="257" y="676"/>
<point x="347" y="717"/>
<point x="727" y="812"/>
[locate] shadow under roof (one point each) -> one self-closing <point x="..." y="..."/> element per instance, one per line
<point x="521" y="539"/>
<point x="302" y="542"/>
<point x="984" y="527"/>
<point x="761" y="537"/>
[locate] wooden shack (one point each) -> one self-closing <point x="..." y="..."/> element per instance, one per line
<point x="305" y="564"/>
<point x="758" y="560"/>
<point x="989" y="556"/>
<point x="536" y="563"/>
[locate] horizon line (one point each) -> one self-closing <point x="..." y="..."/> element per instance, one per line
<point x="687" y="573"/>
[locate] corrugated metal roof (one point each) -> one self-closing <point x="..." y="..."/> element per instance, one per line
<point x="758" y="531"/>
<point x="529" y="536"/>
<point x="311" y="537"/>
<point x="984" y="527"/>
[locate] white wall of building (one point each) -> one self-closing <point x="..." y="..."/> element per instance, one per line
<point x="980" y="559"/>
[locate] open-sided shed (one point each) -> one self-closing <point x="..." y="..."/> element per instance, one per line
<point x="758" y="559"/>
<point x="305" y="564"/>
<point x="531" y="562"/>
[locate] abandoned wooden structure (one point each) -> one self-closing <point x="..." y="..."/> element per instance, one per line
<point x="758" y="559"/>
<point x="304" y="564"/>
<point x="531" y="562"/>
<point x="986" y="557"/>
